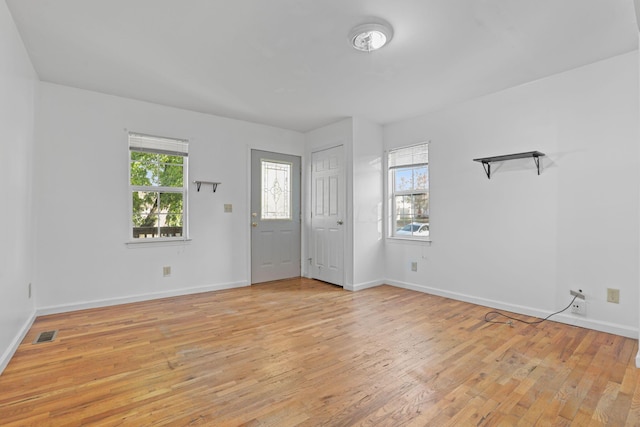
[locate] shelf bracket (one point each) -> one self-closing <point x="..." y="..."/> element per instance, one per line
<point x="487" y="169"/>
<point x="213" y="184"/>
<point x="536" y="160"/>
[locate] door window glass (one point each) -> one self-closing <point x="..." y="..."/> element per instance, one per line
<point x="276" y="190"/>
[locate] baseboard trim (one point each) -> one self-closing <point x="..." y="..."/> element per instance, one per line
<point x="65" y="308"/>
<point x="612" y="328"/>
<point x="366" y="285"/>
<point x="638" y="359"/>
<point x="17" y="340"/>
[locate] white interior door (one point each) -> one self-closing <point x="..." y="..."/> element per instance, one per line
<point x="327" y="215"/>
<point x="275" y="216"/>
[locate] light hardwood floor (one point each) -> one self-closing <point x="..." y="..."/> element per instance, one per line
<point x="301" y="352"/>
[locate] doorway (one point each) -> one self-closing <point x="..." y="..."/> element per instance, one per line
<point x="327" y="215"/>
<point x="275" y="216"/>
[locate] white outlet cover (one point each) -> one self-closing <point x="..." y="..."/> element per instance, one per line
<point x="579" y="307"/>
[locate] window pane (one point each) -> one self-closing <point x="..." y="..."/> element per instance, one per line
<point x="412" y="215"/>
<point x="421" y="178"/>
<point x="145" y="214"/>
<point x="403" y="179"/>
<point x="276" y="190"/>
<point x="404" y="207"/>
<point x="171" y="215"/>
<point x="157" y="214"/>
<point x="144" y="204"/>
<point x="143" y="168"/>
<point x="411" y="178"/>
<point x="170" y="175"/>
<point x="171" y="203"/>
<point x="170" y="225"/>
<point x="174" y="220"/>
<point x="147" y="231"/>
<point x="152" y="169"/>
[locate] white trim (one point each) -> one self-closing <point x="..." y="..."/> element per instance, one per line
<point x="248" y="216"/>
<point x="638" y="359"/>
<point x="154" y="242"/>
<point x="366" y="285"/>
<point x="10" y="351"/>
<point x="396" y="239"/>
<point x="42" y="311"/>
<point x="569" y="319"/>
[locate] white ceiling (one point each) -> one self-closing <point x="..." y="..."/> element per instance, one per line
<point x="288" y="63"/>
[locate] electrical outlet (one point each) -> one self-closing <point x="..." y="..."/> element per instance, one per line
<point x="579" y="306"/>
<point x="613" y="295"/>
<point x="166" y="271"/>
<point x="228" y="208"/>
<point x="414" y="266"/>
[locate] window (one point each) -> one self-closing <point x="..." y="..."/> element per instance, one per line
<point x="409" y="192"/>
<point x="158" y="184"/>
<point x="276" y="190"/>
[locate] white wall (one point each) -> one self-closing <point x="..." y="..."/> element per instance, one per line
<point x="521" y="241"/>
<point x="368" y="256"/>
<point x="18" y="84"/>
<point x="82" y="200"/>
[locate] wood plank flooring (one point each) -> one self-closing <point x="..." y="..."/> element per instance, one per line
<point x="301" y="352"/>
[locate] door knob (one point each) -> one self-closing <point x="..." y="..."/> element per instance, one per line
<point x="340" y="222"/>
<point x="254" y="224"/>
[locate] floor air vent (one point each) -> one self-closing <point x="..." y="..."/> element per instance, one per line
<point x="46" y="337"/>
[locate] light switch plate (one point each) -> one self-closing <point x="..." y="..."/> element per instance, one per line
<point x="613" y="295"/>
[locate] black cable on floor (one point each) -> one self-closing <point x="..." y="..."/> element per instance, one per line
<point x="509" y="322"/>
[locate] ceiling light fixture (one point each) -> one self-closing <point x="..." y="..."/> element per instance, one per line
<point x="369" y="37"/>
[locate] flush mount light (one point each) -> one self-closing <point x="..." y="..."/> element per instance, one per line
<point x="373" y="36"/>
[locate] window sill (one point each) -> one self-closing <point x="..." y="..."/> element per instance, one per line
<point x="410" y="240"/>
<point x="145" y="243"/>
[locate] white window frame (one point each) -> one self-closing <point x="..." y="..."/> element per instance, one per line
<point x="391" y="193"/>
<point x="139" y="142"/>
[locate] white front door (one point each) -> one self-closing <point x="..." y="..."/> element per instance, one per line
<point x="327" y="215"/>
<point x="275" y="216"/>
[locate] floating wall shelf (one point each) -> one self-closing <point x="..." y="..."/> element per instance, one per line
<point x="213" y="184"/>
<point x="486" y="161"/>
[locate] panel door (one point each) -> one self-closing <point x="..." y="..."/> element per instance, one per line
<point x="327" y="215"/>
<point x="275" y="216"/>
